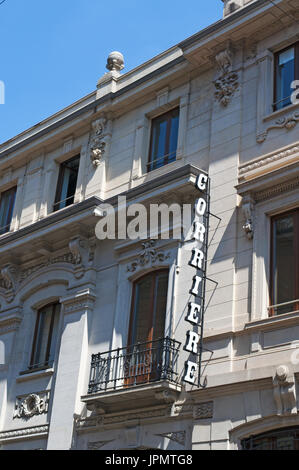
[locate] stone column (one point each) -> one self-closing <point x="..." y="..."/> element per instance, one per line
<point x="72" y="368"/>
<point x="183" y="125"/>
<point x="48" y="193"/>
<point x="142" y="124"/>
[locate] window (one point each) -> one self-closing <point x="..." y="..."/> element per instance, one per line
<point x="147" y="325"/>
<point x="67" y="182"/>
<point x="286" y="71"/>
<point x="7" y="203"/>
<point x="45" y="337"/>
<point x="285" y="263"/>
<point x="287" y="439"/>
<point x="164" y="140"/>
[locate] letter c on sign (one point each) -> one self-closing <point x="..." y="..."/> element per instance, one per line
<point x="201" y="182"/>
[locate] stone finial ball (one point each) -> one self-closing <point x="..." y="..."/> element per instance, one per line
<point x="115" y="61"/>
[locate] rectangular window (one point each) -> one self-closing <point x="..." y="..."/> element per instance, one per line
<point x="286" y="71"/>
<point x="45" y="337"/>
<point x="285" y="263"/>
<point x="164" y="139"/>
<point x="67" y="183"/>
<point x="7" y="203"/>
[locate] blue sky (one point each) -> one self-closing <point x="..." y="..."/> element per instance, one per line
<point x="53" y="51"/>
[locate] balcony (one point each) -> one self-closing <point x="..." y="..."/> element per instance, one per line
<point x="134" y="375"/>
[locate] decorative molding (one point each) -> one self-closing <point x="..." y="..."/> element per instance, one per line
<point x="287" y="122"/>
<point x="248" y="209"/>
<point x="97" y="445"/>
<point x="203" y="410"/>
<point x="68" y="145"/>
<point x="98" y="142"/>
<point x="100" y="420"/>
<point x="81" y="301"/>
<point x="276" y="190"/>
<point x="284" y="391"/>
<point x="37" y="431"/>
<point x="179" y="437"/>
<point x="32" y="405"/>
<point x="228" y="82"/>
<point x="149" y="254"/>
<point x="271" y="158"/>
<point x="65" y="258"/>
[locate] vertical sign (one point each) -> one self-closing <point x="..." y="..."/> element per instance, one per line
<point x="198" y="261"/>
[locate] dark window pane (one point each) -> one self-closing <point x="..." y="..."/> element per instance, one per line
<point x="285" y="75"/>
<point x="164" y="139"/>
<point x="284" y="263"/>
<point x="67" y="183"/>
<point x="6" y="209"/>
<point x="173" y="141"/>
<point x="148" y="316"/>
<point x="45" y="336"/>
<point x="160" y="300"/>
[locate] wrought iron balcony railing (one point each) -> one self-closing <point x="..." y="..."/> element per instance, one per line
<point x="139" y="364"/>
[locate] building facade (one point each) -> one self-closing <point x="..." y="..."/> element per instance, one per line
<point x="101" y="342"/>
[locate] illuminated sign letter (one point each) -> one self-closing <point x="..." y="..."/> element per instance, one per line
<point x="191" y="369"/>
<point x="197" y="281"/>
<point x="201" y="182"/>
<point x="193" y="341"/>
<point x="194" y="313"/>
<point x="197" y="259"/>
<point x="199" y="231"/>
<point x="200" y="207"/>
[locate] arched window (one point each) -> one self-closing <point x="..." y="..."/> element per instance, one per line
<point x="45" y="337"/>
<point x="281" y="439"/>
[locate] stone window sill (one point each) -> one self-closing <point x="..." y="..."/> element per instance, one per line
<point x="34" y="374"/>
<point x="281" y="112"/>
<point x="271" y="322"/>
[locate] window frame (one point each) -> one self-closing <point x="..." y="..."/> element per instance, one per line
<point x="296" y="73"/>
<point x="296" y="254"/>
<point x="169" y="115"/>
<point x="58" y="200"/>
<point x="154" y="275"/>
<point x="5" y="229"/>
<point x="46" y="362"/>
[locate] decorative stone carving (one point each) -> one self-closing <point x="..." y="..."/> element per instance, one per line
<point x="228" y="82"/>
<point x="9" y="281"/>
<point x="75" y="249"/>
<point x="149" y="254"/>
<point x="284" y="390"/>
<point x="167" y="396"/>
<point x="203" y="410"/>
<point x="248" y="207"/>
<point x="179" y="437"/>
<point x="31" y="405"/>
<point x="76" y="246"/>
<point x="287" y="122"/>
<point x="98" y="142"/>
